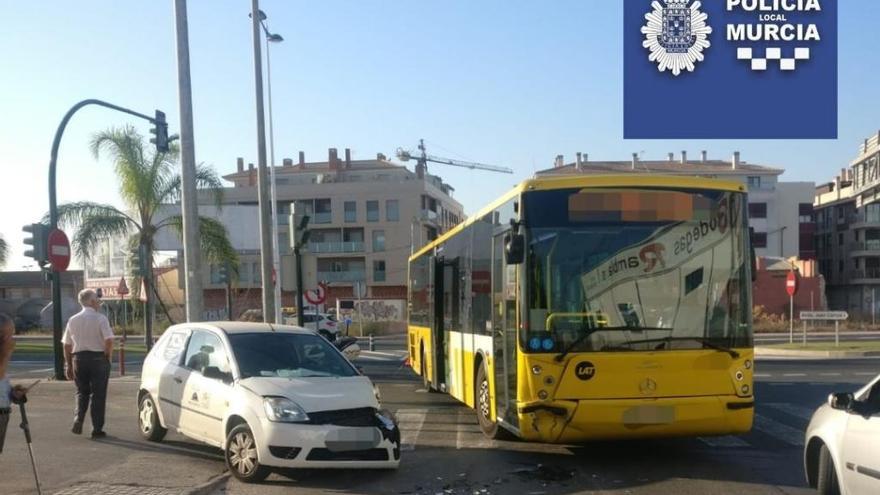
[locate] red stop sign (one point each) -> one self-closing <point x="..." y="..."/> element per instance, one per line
<point x="122" y="288"/>
<point x="58" y="250"/>
<point x="791" y="283"/>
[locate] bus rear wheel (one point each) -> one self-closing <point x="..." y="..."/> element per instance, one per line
<point x="483" y="406"/>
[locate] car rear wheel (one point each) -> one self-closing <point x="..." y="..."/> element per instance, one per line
<point x="827" y="476"/>
<point x="148" y="420"/>
<point x="241" y="455"/>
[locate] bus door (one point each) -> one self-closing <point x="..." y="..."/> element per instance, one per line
<point x="444" y="284"/>
<point x="504" y="333"/>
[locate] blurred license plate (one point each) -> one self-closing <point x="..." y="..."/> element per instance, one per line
<point x="347" y="439"/>
<point x="649" y="415"/>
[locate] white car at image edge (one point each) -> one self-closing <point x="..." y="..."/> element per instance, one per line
<point x="270" y="396"/>
<point x="842" y="444"/>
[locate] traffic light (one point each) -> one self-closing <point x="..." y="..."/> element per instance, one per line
<point x="298" y="226"/>
<point x="138" y="262"/>
<point x="37" y="240"/>
<point x="223" y="273"/>
<point x="160" y="129"/>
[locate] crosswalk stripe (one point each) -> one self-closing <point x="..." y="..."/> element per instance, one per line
<point x="468" y="434"/>
<point x="410" y="422"/>
<point x="780" y="431"/>
<point x="804" y="413"/>
<point x="728" y="441"/>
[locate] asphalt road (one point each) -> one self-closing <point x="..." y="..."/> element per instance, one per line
<point x="444" y="452"/>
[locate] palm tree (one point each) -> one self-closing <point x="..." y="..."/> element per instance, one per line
<point x="148" y="184"/>
<point x="4" y="251"/>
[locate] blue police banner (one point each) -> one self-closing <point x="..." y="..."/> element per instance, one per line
<point x="730" y="69"/>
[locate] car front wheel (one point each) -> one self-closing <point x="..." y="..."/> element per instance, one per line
<point x="241" y="455"/>
<point x="827" y="476"/>
<point x="148" y="420"/>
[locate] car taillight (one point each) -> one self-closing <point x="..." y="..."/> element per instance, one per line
<point x="331" y="324"/>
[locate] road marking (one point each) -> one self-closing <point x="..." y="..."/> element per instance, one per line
<point x="782" y="432"/>
<point x="398" y="354"/>
<point x="410" y="422"/>
<point x="797" y="411"/>
<point x="859" y="373"/>
<point x="829" y="374"/>
<point x="468" y="434"/>
<point x="794" y="374"/>
<point x="763" y="375"/>
<point x="725" y="442"/>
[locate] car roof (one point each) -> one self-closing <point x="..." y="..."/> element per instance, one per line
<point x="236" y="327"/>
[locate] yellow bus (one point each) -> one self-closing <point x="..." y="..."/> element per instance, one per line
<point x="592" y="307"/>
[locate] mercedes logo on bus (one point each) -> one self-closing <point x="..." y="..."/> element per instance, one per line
<point x="647" y="386"/>
<point x="585" y="370"/>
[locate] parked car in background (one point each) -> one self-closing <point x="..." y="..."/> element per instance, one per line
<point x="323" y="323"/>
<point x="842" y="445"/>
<point x="270" y="396"/>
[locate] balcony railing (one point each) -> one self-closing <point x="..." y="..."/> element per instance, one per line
<point x="322" y="217"/>
<point x="348" y="276"/>
<point x="428" y="216"/>
<point x="336" y="247"/>
<point x="868" y="273"/>
<point x="870" y="245"/>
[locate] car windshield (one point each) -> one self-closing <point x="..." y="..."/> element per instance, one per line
<point x="290" y="355"/>
<point x="636" y="269"/>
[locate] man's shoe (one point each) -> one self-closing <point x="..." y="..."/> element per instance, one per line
<point x="99" y="434"/>
<point x="77" y="428"/>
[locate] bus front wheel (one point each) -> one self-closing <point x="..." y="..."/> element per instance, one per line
<point x="483" y="403"/>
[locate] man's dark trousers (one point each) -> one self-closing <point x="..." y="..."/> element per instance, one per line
<point x="92" y="375"/>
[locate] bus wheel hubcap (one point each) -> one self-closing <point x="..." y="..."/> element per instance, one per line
<point x="484" y="398"/>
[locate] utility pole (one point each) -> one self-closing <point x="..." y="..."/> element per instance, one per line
<point x="263" y="176"/>
<point x="192" y="256"/>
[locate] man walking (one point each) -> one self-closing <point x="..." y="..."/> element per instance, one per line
<point x="88" y="345"/>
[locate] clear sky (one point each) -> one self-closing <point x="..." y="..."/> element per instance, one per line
<point x="507" y="82"/>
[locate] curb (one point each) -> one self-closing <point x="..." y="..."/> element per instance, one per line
<point x="771" y="352"/>
<point x="209" y="486"/>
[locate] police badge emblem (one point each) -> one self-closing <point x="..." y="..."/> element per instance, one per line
<point x="676" y="34"/>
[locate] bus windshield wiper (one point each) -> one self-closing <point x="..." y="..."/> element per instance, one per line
<point x="583" y="337"/>
<point x="706" y="343"/>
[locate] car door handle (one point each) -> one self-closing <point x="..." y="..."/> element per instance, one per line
<point x="178" y="379"/>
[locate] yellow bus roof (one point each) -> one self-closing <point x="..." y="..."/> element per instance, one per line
<point x="572" y="181"/>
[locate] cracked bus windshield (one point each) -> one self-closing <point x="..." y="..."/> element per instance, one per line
<point x="636" y="269"/>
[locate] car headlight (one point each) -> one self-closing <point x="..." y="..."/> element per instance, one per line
<point x="284" y="410"/>
<point x="387" y="419"/>
<point x="377" y="394"/>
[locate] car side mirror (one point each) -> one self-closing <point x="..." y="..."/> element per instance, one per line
<point x="842" y="401"/>
<point x="214" y="373"/>
<point x="514" y="248"/>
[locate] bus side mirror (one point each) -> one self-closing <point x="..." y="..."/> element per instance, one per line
<point x="514" y="248"/>
<point x="752" y="258"/>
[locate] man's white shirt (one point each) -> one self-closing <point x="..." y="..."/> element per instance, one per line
<point x="87" y="331"/>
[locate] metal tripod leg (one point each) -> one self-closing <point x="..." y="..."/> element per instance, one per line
<point x="27" y="436"/>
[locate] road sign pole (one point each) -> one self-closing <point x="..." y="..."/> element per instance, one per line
<point x="836" y="333"/>
<point x="805" y="333"/>
<point x="791" y="319"/>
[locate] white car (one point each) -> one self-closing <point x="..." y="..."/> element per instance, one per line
<point x="270" y="396"/>
<point x="322" y="323"/>
<point x="842" y="445"/>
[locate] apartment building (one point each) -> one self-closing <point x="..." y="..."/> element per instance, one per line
<point x="781" y="213"/>
<point x="848" y="233"/>
<point x="366" y="216"/>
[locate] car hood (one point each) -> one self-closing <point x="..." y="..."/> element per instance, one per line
<point x="318" y="393"/>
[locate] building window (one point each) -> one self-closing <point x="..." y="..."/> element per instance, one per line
<point x="351" y="211"/>
<point x="757" y="210"/>
<point x="256" y="272"/>
<point x="805" y="213"/>
<point x="392" y="210"/>
<point x="840" y="239"/>
<point x="372" y="211"/>
<point x="323" y="213"/>
<point x="378" y="241"/>
<point x="759" y="239"/>
<point x="754" y="181"/>
<point x="378" y="270"/>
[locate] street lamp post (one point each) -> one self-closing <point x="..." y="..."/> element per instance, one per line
<point x="276" y="249"/>
<point x="266" y="230"/>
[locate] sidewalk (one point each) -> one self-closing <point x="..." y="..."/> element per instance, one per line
<point x="764" y="352"/>
<point x="120" y="464"/>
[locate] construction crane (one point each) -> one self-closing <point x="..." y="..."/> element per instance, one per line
<point x="404" y="156"/>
